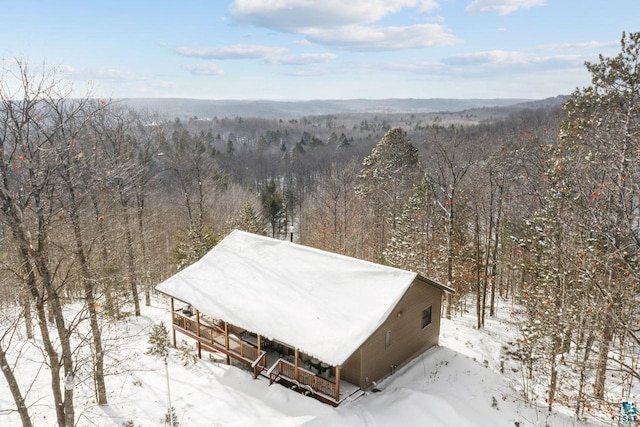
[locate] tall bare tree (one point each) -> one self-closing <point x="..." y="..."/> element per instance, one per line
<point x="31" y="131"/>
<point x="332" y="215"/>
<point x="77" y="181"/>
<point x="10" y="376"/>
<point x="446" y="169"/>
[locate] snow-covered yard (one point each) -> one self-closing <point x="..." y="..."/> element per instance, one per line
<point x="455" y="385"/>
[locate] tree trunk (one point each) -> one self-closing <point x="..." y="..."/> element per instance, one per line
<point x="52" y="355"/>
<point x="143" y="245"/>
<point x="479" y="297"/>
<point x="65" y="342"/>
<point x="89" y="298"/>
<point x="31" y="256"/>
<point x="603" y="356"/>
<point x="494" y="251"/>
<point x="553" y="383"/>
<point x="14" y="388"/>
<point x="583" y="375"/>
<point x="450" y="230"/>
<point x="26" y="306"/>
<point x="131" y="270"/>
<point x="111" y="306"/>
<point x="494" y="267"/>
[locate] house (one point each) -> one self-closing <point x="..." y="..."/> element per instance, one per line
<point x="325" y="324"/>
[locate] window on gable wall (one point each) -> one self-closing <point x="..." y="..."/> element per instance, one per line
<point x="387" y="340"/>
<point x="426" y="317"/>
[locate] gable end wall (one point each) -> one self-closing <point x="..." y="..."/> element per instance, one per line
<point x="408" y="339"/>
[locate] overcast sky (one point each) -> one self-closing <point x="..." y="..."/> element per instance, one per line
<point x="308" y="49"/>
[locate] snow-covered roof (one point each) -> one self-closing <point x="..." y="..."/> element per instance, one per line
<point x="322" y="303"/>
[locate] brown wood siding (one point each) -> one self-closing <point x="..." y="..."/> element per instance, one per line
<point x="408" y="338"/>
<point x="351" y="369"/>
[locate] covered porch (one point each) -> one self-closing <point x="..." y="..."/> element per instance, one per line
<point x="274" y="360"/>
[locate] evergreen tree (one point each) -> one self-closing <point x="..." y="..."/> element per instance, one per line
<point x="272" y="205"/>
<point x="316" y="142"/>
<point x="386" y="180"/>
<point x="601" y="148"/>
<point x="343" y="142"/>
<point x="158" y="341"/>
<point x="249" y="220"/>
<point x="332" y="139"/>
<point x="413" y="245"/>
<point x="200" y="240"/>
<point x="580" y="278"/>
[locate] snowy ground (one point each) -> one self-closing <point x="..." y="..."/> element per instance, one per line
<point x="455" y="385"/>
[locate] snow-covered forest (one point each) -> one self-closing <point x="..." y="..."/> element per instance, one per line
<point x="537" y="209"/>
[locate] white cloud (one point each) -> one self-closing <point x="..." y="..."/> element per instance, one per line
<point x="269" y="54"/>
<point x="502" y="7"/>
<point x="306" y="73"/>
<point x="303" y="42"/>
<point x="489" y="57"/>
<point x="302" y="59"/>
<point x="428" y="6"/>
<point x="345" y="25"/>
<point x="496" y="65"/>
<point x="583" y="45"/>
<point x="166" y="85"/>
<point x="358" y="37"/>
<point x="205" y="70"/>
<point x="412" y="67"/>
<point x="298" y="15"/>
<point x="240" y="51"/>
<point x="499" y="61"/>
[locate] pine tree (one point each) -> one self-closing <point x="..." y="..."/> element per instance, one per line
<point x="413" y="245"/>
<point x="386" y="180"/>
<point x="601" y="148"/>
<point x="332" y="139"/>
<point x="249" y="220"/>
<point x="272" y="205"/>
<point x="581" y="292"/>
<point x="158" y="341"/>
<point x="200" y="240"/>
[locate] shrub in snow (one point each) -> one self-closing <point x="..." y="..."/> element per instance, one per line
<point x="168" y="417"/>
<point x="494" y="403"/>
<point x="186" y="355"/>
<point x="158" y="341"/>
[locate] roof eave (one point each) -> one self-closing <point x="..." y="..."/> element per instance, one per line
<point x="444" y="288"/>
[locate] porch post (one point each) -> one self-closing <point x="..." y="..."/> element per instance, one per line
<point x="198" y="345"/>
<point x="296" y="374"/>
<point x="259" y="344"/>
<point x="173" y="328"/>
<point x="226" y="341"/>
<point x="337" y="390"/>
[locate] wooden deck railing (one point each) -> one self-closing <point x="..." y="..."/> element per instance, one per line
<point x="214" y="337"/>
<point x="306" y="378"/>
<point x="184" y="322"/>
<point x="259" y="364"/>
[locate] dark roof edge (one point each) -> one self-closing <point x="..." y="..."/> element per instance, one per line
<point x="438" y="285"/>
